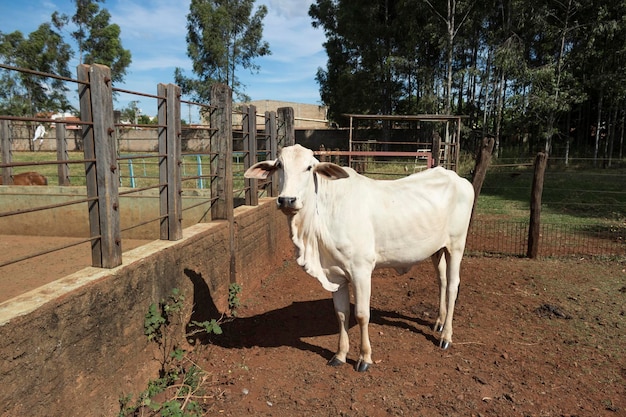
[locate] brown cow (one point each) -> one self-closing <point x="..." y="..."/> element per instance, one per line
<point x="28" y="178"/>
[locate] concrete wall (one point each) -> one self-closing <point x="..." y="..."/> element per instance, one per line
<point x="307" y="116"/>
<point x="76" y="346"/>
<point x="146" y="140"/>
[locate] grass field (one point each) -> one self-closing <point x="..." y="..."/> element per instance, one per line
<point x="569" y="196"/>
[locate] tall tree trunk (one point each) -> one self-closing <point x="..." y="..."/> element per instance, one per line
<point x="451" y="29"/>
<point x="621" y="136"/>
<point x="500" y="95"/>
<point x="568" y="138"/>
<point x="608" y="144"/>
<point x="598" y="128"/>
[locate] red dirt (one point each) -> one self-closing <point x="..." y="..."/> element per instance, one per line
<point x="532" y="338"/>
<point x="21" y="277"/>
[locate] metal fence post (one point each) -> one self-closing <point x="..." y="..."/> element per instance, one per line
<point x="170" y="194"/>
<point x="96" y="106"/>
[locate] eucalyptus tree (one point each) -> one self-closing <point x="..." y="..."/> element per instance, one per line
<point x="222" y="36"/>
<point x="453" y="14"/>
<point x="44" y="50"/>
<point x="525" y="69"/>
<point x="601" y="57"/>
<point x="366" y="60"/>
<point x="419" y="58"/>
<point x="97" y="38"/>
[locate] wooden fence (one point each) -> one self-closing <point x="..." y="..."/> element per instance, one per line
<point x="247" y="143"/>
<point x="102" y="161"/>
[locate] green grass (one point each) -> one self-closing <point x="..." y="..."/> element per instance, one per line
<point x="145" y="169"/>
<point x="569" y="196"/>
<point x="49" y="171"/>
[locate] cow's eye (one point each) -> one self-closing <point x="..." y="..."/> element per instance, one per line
<point x="279" y="165"/>
<point x="310" y="167"/>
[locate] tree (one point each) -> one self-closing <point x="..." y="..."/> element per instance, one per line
<point x="601" y="56"/>
<point x="222" y="36"/>
<point x="455" y="10"/>
<point x="44" y="50"/>
<point x="364" y="55"/>
<point x="98" y="40"/>
<point x="535" y="74"/>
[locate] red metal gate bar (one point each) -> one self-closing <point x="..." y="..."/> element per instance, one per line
<point x="427" y="155"/>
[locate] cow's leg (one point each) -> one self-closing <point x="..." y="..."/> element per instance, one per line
<point x="439" y="261"/>
<point x="454" y="279"/>
<point x="362" y="291"/>
<point x="341" y="300"/>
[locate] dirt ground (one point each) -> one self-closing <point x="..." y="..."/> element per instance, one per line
<point x="21" y="277"/>
<point x="531" y="338"/>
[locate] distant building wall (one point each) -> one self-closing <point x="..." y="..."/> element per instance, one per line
<point x="307" y="116"/>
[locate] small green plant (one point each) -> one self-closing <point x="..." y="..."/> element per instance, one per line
<point x="180" y="381"/>
<point x="213" y="326"/>
<point x="233" y="298"/>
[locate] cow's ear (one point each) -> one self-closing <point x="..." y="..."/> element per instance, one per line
<point x="330" y="171"/>
<point x="261" y="170"/>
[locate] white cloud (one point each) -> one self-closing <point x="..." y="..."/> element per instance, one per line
<point x="290" y="34"/>
<point x="151" y="21"/>
<point x="288" y="8"/>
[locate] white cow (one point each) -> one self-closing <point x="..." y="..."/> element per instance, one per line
<point x="344" y="225"/>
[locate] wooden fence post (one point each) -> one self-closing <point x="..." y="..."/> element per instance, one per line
<point x="286" y="127"/>
<point x="436" y="149"/>
<point x="483" y="159"/>
<point x="63" y="170"/>
<point x="221" y="147"/>
<point x="534" y="228"/>
<point x="96" y="107"/>
<point x="250" y="153"/>
<point x="221" y="144"/>
<point x="5" y="144"/>
<point x="272" y="136"/>
<point x="170" y="196"/>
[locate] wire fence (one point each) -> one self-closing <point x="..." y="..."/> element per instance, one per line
<point x="510" y="238"/>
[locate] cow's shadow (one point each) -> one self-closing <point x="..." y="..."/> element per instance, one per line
<point x="289" y="325"/>
<point x="292" y="325"/>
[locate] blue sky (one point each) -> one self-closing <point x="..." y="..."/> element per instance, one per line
<point x="154" y="31"/>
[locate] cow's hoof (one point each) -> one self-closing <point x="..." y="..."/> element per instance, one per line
<point x="335" y="362"/>
<point x="362" y="366"/>
<point x="444" y="344"/>
<point x="439" y="328"/>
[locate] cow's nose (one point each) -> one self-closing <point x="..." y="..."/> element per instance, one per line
<point x="286" y="201"/>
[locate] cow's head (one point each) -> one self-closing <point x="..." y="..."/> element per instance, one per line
<point x="297" y="168"/>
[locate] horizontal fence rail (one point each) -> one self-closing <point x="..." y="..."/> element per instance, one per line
<point x="190" y="171"/>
